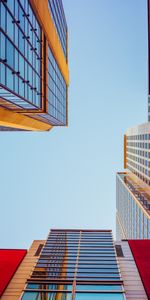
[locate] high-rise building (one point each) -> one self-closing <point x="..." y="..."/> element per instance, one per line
<point x="133" y="208"/>
<point x="34" y="74"/>
<point x="133" y="185"/>
<point x="72" y="264"/>
<point x="77" y="264"/>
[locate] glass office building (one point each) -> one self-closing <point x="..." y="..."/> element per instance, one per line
<point x="137" y="151"/>
<point x="133" y="186"/>
<point x="34" y="73"/>
<point x="133" y="208"/>
<point x="76" y="264"/>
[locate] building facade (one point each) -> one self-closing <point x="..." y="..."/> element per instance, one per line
<point x="134" y="258"/>
<point x="77" y="264"/>
<point x="137" y="151"/>
<point x="72" y="264"/>
<point x="34" y="74"/>
<point x="133" y="186"/>
<point x="15" y="267"/>
<point x="133" y="208"/>
<point x="10" y="260"/>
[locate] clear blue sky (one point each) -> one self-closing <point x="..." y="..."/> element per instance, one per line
<point x="66" y="178"/>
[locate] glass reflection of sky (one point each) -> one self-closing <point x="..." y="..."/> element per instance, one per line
<point x="96" y="296"/>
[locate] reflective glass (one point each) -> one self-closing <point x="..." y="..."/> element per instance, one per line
<point x="101" y="266"/>
<point x="3" y="17"/>
<point x="3" y="73"/>
<point x="97" y="250"/>
<point x="60" y="286"/>
<point x="57" y="95"/>
<point x="48" y="296"/>
<point x="10" y="4"/>
<point x="97" y="266"/>
<point x="10" y="54"/>
<point x="98" y="275"/>
<point x="102" y="296"/>
<point x="59" y="20"/>
<point x="14" y="41"/>
<point x="98" y="287"/>
<point x="97" y="270"/>
<point x="97" y="254"/>
<point x="97" y="260"/>
<point x="9" y="80"/>
<point x="2" y="46"/>
<point x="10" y="27"/>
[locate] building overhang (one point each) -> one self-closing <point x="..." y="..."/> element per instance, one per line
<point x="12" y="119"/>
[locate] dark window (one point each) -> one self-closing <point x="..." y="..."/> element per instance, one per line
<point x="119" y="251"/>
<point x="38" y="251"/>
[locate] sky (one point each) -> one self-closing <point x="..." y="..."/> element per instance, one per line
<point x="65" y="178"/>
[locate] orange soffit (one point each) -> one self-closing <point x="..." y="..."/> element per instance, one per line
<point x="15" y="120"/>
<point x="43" y="14"/>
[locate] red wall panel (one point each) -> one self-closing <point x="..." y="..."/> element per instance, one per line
<point x="141" y="253"/>
<point x="9" y="262"/>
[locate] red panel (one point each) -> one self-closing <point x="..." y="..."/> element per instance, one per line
<point x="141" y="253"/>
<point x="9" y="262"/>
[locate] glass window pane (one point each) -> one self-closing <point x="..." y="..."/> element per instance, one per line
<point x="96" y="296"/>
<point x="99" y="275"/>
<point x="10" y="27"/>
<point x="98" y="287"/>
<point x="2" y="74"/>
<point x="3" y="17"/>
<point x="31" y="296"/>
<point x="96" y="270"/>
<point x="10" y="54"/>
<point x="10" y="4"/>
<point x="2" y="46"/>
<point x="9" y="79"/>
<point x="49" y="296"/>
<point x="60" y="286"/>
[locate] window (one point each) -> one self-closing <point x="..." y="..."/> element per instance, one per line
<point x="10" y="27"/>
<point x="59" y="20"/>
<point x="10" y="54"/>
<point x="20" y="53"/>
<point x="61" y="286"/>
<point x="64" y="272"/>
<point x="96" y="296"/>
<point x="119" y="251"/>
<point x="2" y="73"/>
<point x="49" y="296"/>
<point x="57" y="92"/>
<point x="9" y="81"/>
<point x="98" y="287"/>
<point x="3" y="17"/>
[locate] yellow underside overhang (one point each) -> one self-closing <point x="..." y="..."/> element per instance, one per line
<point x="19" y="121"/>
